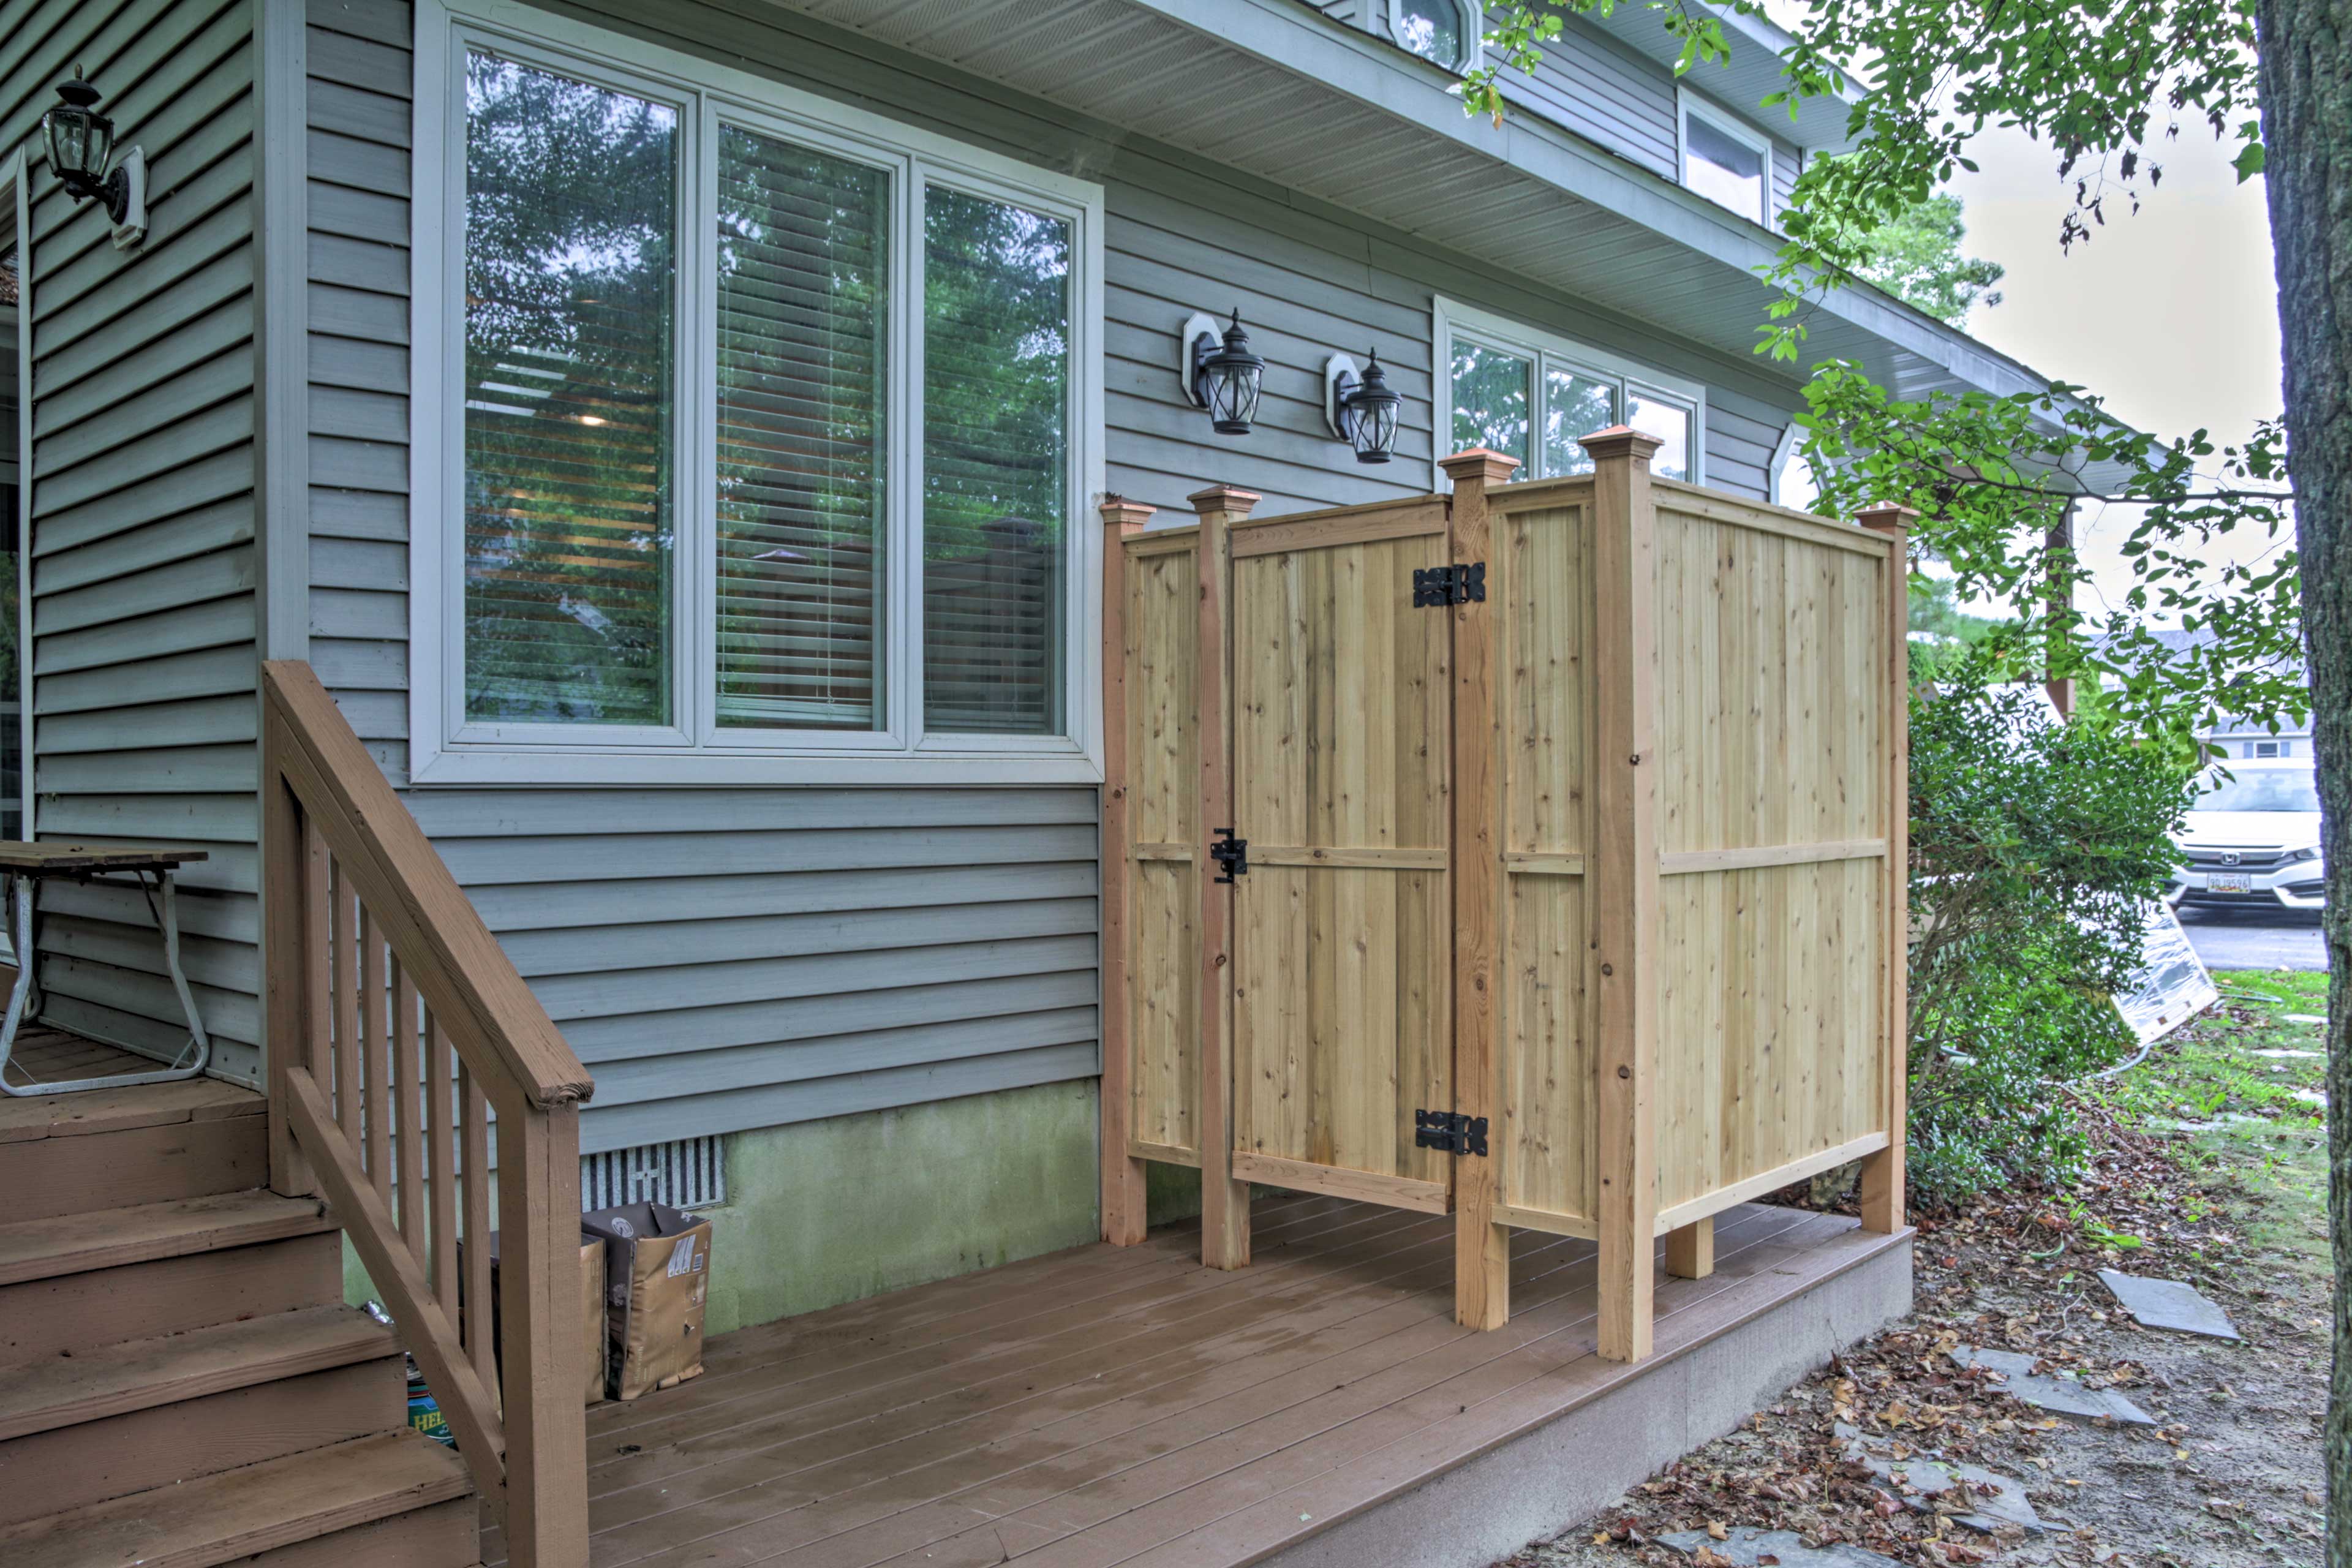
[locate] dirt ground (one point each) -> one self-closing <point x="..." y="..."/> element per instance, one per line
<point x="2208" y="1168"/>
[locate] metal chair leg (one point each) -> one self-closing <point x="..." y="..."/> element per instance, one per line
<point x="193" y="1057"/>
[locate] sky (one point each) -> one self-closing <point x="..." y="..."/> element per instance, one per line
<point x="2170" y="315"/>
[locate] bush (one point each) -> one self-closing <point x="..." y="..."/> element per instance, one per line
<point x="2035" y="846"/>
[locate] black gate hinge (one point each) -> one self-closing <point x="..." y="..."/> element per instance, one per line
<point x="1232" y="854"/>
<point x="1450" y="1131"/>
<point x="1449" y="584"/>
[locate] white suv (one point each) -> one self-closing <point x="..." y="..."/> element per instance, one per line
<point x="2251" y="839"/>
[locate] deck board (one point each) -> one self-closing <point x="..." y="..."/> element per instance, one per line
<point x="1115" y="1406"/>
<point x="43" y="1055"/>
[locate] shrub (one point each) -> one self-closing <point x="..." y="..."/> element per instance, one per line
<point x="2035" y="846"/>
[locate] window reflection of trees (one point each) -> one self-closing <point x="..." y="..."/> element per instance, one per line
<point x="996" y="439"/>
<point x="571" y="205"/>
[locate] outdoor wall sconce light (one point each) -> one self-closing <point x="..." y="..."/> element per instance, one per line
<point x="1220" y="373"/>
<point x="82" y="144"/>
<point x="1361" y="410"/>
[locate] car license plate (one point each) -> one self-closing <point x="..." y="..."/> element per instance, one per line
<point x="2229" y="882"/>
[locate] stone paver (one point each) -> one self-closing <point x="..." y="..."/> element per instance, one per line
<point x="2059" y="1395"/>
<point x="1747" y="1546"/>
<point x="2168" y="1304"/>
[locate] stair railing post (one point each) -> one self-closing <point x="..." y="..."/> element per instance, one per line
<point x="1624" y="873"/>
<point x="539" y="1334"/>
<point x="1224" y="1202"/>
<point x="293" y="963"/>
<point x="1123" y="1187"/>
<point x="1883" y="1172"/>
<point x="1481" y="1251"/>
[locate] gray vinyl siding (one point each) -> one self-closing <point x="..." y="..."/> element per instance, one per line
<point x="726" y="959"/>
<point x="1605" y="93"/>
<point x="142" y="613"/>
<point x="1590" y="83"/>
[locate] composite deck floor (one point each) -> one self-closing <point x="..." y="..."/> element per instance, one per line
<point x="1125" y="1406"/>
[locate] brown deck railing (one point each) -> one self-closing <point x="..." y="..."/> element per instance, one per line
<point x="400" y="1033"/>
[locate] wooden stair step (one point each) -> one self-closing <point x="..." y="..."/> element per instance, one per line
<point x="123" y="1167"/>
<point x="243" y="1512"/>
<point x="106" y="1238"/>
<point x="26" y="1118"/>
<point x="67" y="1314"/>
<point x="138" y="1374"/>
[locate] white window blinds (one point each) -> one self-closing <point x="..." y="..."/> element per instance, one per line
<point x="804" y="308"/>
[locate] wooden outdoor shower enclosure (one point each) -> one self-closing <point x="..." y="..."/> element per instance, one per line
<point x="1534" y="854"/>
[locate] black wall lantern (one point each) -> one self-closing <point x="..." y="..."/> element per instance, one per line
<point x="80" y="141"/>
<point x="1220" y="373"/>
<point x="1361" y="409"/>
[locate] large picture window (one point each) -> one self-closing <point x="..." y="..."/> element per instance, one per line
<point x="764" y="427"/>
<point x="1532" y="397"/>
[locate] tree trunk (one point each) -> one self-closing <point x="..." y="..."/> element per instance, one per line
<point x="2306" y="95"/>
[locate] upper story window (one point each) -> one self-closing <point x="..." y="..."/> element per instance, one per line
<point x="766" y="432"/>
<point x="1531" y="396"/>
<point x="1726" y="162"/>
<point x="1446" y="31"/>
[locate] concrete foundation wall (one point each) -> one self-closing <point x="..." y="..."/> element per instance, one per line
<point x="825" y="1211"/>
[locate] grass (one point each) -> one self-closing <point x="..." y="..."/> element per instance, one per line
<point x="2257" y="1150"/>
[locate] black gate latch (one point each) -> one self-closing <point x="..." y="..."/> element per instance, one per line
<point x="1449" y="584"/>
<point x="1232" y="854"/>
<point x="1450" y="1131"/>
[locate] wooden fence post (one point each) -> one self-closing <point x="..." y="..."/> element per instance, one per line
<point x="1624" y="861"/>
<point x="292" y="911"/>
<point x="1482" y="1251"/>
<point x="1883" y="1172"/>
<point x="1123" y="1208"/>
<point x="1224" y="1202"/>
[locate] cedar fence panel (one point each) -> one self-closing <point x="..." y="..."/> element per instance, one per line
<point x="1675" y="883"/>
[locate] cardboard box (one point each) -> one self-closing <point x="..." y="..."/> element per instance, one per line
<point x="656" y="1286"/>
<point x="592" y="1312"/>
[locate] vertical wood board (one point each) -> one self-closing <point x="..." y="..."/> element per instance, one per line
<point x="1163" y="769"/>
<point x="1342" y="945"/>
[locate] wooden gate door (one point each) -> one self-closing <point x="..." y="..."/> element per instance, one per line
<point x="1342" y="937"/>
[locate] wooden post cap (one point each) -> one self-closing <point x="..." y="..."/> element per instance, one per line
<point x="1887" y="517"/>
<point x="1229" y="498"/>
<point x="1619" y="441"/>
<point x="1125" y="515"/>
<point x="1480" y="463"/>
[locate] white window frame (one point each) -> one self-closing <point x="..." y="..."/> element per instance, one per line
<point x="1548" y="350"/>
<point x="1474" y="29"/>
<point x="446" y="749"/>
<point x="1688" y="103"/>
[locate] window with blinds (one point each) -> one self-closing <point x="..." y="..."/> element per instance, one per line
<point x="803" y="306"/>
<point x="570" y="288"/>
<point x="996" y="363"/>
<point x="768" y="413"/>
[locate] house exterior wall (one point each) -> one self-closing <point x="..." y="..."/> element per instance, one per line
<point x="1596" y="87"/>
<point x="143" y="612"/>
<point x="732" y="960"/>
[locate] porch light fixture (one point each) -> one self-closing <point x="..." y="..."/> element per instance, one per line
<point x="1361" y="409"/>
<point x="1220" y="373"/>
<point x="80" y="141"/>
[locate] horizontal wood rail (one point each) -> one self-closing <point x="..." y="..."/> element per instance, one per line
<point x="398" y="1032"/>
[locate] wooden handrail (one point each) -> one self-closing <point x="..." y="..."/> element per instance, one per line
<point x="397" y="1026"/>
<point x="464" y="974"/>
